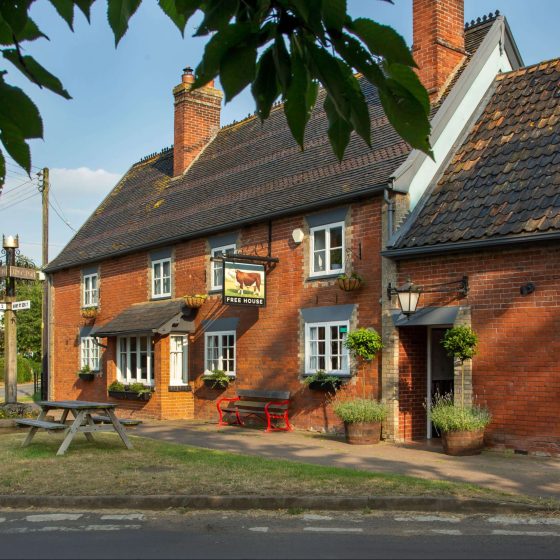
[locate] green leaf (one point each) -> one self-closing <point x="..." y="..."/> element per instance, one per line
<point x="30" y="32"/>
<point x="265" y="87"/>
<point x="2" y="171"/>
<point x="15" y="14"/>
<point x="19" y="113"/>
<point x="406" y="115"/>
<point x="405" y="76"/>
<point x="283" y="63"/>
<point x="65" y="9"/>
<point x="118" y="14"/>
<point x="300" y="98"/>
<point x="85" y="7"/>
<point x="216" y="48"/>
<point x="218" y="14"/>
<point x="334" y="13"/>
<point x="33" y="70"/>
<point x="237" y="70"/>
<point x="359" y="113"/>
<point x="339" y="129"/>
<point x="17" y="148"/>
<point x="382" y="40"/>
<point x="179" y="11"/>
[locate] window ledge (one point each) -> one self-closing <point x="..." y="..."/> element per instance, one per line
<point x="339" y="375"/>
<point x="215" y="291"/>
<point x="157" y="298"/>
<point x="323" y="277"/>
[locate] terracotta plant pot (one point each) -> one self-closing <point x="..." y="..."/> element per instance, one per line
<point x="89" y="312"/>
<point x="463" y="443"/>
<point x="362" y="433"/>
<point x="194" y="301"/>
<point x="349" y="284"/>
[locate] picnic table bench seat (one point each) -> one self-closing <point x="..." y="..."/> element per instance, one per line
<point x="40" y="424"/>
<point x="123" y="421"/>
<point x="269" y="405"/>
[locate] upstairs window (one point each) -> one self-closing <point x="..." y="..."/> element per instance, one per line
<point x="161" y="278"/>
<point x="327" y="249"/>
<point x="90" y="295"/>
<point x="217" y="268"/>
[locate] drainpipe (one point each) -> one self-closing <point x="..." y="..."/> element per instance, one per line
<point x="390" y="210"/>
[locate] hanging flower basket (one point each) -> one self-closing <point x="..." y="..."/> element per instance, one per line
<point x="349" y="283"/>
<point x="195" y="301"/>
<point x="89" y="312"/>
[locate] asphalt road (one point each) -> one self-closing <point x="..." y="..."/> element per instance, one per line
<point x="76" y="534"/>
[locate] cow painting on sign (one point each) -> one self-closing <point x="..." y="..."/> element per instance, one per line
<point x="244" y="284"/>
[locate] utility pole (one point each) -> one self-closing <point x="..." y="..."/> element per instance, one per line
<point x="9" y="245"/>
<point x="45" y="307"/>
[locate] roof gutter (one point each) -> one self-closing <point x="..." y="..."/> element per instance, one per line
<point x="411" y="252"/>
<point x="232" y="225"/>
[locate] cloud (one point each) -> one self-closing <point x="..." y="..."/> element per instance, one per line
<point x="83" y="180"/>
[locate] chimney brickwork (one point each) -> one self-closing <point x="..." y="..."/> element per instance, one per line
<point x="197" y="120"/>
<point x="438" y="41"/>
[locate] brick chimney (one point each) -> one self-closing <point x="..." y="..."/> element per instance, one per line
<point x="438" y="41"/>
<point x="197" y="120"/>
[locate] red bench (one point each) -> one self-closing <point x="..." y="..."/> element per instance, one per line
<point x="268" y="405"/>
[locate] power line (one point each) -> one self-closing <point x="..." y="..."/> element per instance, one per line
<point x="65" y="221"/>
<point x="11" y="190"/>
<point x="16" y="197"/>
<point x="10" y="159"/>
<point x="18" y="201"/>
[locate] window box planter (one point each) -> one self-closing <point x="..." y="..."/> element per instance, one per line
<point x="195" y="301"/>
<point x="349" y="284"/>
<point x="86" y="376"/>
<point x="89" y="312"/>
<point x="179" y="389"/>
<point x="325" y="386"/>
<point x="218" y="379"/>
<point x="130" y="395"/>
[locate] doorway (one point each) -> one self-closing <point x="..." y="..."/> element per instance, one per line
<point x="441" y="372"/>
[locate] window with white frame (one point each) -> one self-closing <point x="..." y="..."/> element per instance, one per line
<point x="89" y="353"/>
<point x="90" y="291"/>
<point x="178" y="360"/>
<point x="325" y="349"/>
<point x="161" y="278"/>
<point x="219" y="351"/>
<point x="327" y="249"/>
<point x="217" y="268"/>
<point x="135" y="358"/>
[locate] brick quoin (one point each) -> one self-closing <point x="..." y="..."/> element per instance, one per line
<point x="516" y="372"/>
<point x="269" y="340"/>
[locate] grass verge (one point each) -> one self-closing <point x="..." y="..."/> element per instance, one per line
<point x="155" y="467"/>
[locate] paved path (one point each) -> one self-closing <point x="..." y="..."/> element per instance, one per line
<point x="194" y="534"/>
<point x="533" y="476"/>
<point x="23" y="390"/>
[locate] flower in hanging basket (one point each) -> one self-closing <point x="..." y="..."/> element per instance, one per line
<point x="195" y="300"/>
<point x="349" y="282"/>
<point x="89" y="312"/>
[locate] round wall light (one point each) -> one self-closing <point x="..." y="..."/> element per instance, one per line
<point x="298" y="235"/>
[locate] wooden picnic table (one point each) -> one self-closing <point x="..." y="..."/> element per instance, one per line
<point x="83" y="422"/>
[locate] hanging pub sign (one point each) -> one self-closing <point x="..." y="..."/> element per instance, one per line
<point x="244" y="284"/>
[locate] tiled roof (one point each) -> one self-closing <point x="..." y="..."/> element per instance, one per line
<point x="248" y="173"/>
<point x="504" y="181"/>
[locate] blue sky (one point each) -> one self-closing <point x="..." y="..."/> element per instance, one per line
<point x="122" y="106"/>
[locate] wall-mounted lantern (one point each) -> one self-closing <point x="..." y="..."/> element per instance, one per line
<point x="408" y="294"/>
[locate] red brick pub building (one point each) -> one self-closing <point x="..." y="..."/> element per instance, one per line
<point x="487" y="208"/>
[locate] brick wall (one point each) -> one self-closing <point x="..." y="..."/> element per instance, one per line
<point x="516" y="372"/>
<point x="439" y="41"/>
<point x="269" y="339"/>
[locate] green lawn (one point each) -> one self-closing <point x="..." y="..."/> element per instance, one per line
<point x="154" y="467"/>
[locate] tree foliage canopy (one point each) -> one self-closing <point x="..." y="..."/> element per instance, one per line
<point x="280" y="48"/>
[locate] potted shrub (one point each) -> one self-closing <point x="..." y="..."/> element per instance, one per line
<point x="462" y="427"/>
<point x="132" y="392"/>
<point x="349" y="282"/>
<point x="362" y="420"/>
<point x="195" y="300"/>
<point x="89" y="312"/>
<point x="322" y="381"/>
<point x="218" y="379"/>
<point x="85" y="374"/>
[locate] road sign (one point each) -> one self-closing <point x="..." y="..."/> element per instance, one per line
<point x="2" y="272"/>
<point x="23" y="273"/>
<point x="3" y="306"/>
<point x="20" y="305"/>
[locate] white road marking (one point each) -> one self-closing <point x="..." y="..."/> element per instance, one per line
<point x="42" y="517"/>
<point x="428" y="519"/>
<point x="110" y="527"/>
<point x="315" y="517"/>
<point x="123" y="517"/>
<point x="333" y="529"/>
<point x="447" y="531"/>
<point x="259" y="529"/>
<point x="505" y="520"/>
<point x="2" y="519"/>
<point x="64" y="529"/>
<point x="525" y="533"/>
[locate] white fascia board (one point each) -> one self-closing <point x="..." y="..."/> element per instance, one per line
<point x="418" y="171"/>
